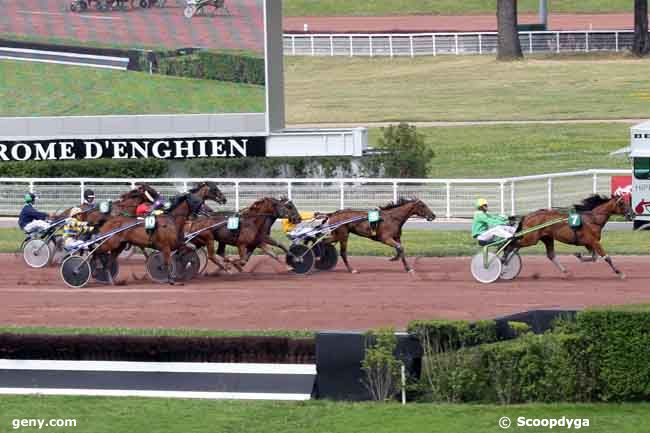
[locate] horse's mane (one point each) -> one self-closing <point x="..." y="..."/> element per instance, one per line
<point x="258" y="203"/>
<point x="178" y="200"/>
<point x="135" y="193"/>
<point x="400" y="202"/>
<point x="591" y="202"/>
<point x="198" y="186"/>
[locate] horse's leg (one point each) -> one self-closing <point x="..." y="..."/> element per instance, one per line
<point x="167" y="258"/>
<point x="603" y="255"/>
<point x="221" y="251"/>
<point x="399" y="250"/>
<point x="397" y="255"/>
<point x="344" y="254"/>
<point x="550" y="253"/>
<point x="269" y="242"/>
<point x="591" y="259"/>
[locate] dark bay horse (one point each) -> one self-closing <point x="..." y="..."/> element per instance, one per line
<point x="168" y="235"/>
<point x="595" y="212"/>
<point x="254" y="230"/>
<point x="125" y="205"/>
<point x="388" y="231"/>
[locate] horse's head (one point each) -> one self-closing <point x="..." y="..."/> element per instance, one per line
<point x="209" y="191"/>
<point x="422" y="210"/>
<point x="147" y="193"/>
<point x="292" y="212"/>
<point x="623" y="206"/>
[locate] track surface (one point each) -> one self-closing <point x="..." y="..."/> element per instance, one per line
<point x="269" y="298"/>
<point x="242" y="30"/>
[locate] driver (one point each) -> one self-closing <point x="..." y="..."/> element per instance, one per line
<point x="74" y="229"/>
<point x="31" y="219"/>
<point x="485" y="226"/>
<point x="89" y="198"/>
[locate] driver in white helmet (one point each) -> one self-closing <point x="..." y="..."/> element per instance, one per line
<point x="74" y="228"/>
<point x="486" y="227"/>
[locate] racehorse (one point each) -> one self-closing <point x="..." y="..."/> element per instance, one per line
<point x="595" y="211"/>
<point x="168" y="233"/>
<point x="387" y="231"/>
<point x="254" y="230"/>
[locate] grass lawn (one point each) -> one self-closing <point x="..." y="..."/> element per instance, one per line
<point x="444" y="7"/>
<point x="99" y="415"/>
<point x="519" y="150"/>
<point x="465" y="88"/>
<point x="430" y="243"/>
<point x="72" y="90"/>
<point x="153" y="332"/>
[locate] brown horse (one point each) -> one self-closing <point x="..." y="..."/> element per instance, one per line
<point x="125" y="205"/>
<point x="254" y="230"/>
<point x="388" y="231"/>
<point x="168" y="234"/>
<point x="595" y="211"/>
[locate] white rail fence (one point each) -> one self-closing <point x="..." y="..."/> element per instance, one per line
<point x="434" y="44"/>
<point x="448" y="198"/>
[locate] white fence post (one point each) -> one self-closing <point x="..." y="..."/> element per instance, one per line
<point x="237" y="205"/>
<point x="448" y="200"/>
<point x="289" y="191"/>
<point x="293" y="45"/>
<point x="512" y="198"/>
<point x="390" y="44"/>
<point x="595" y="183"/>
<point x="456" y="42"/>
<point x="82" y="190"/>
<point x="370" y="46"/>
<point x="184" y="186"/>
<point x="616" y="38"/>
<point x="351" y="47"/>
<point x="342" y="196"/>
<point x="332" y="45"/>
<point x="411" y="44"/>
<point x="530" y="42"/>
<point x="394" y="192"/>
<point x="586" y="42"/>
<point x="502" y="191"/>
<point x="433" y="39"/>
<point x="31" y="187"/>
<point x="313" y="49"/>
<point x="557" y="41"/>
<point x="550" y="192"/>
<point x="480" y="44"/>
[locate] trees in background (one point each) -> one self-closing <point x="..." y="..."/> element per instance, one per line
<point x="509" y="47"/>
<point x="641" y="45"/>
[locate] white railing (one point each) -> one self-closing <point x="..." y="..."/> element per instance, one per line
<point x="434" y="44"/>
<point x="448" y="198"/>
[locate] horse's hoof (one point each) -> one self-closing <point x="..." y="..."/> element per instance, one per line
<point x="621" y="275"/>
<point x="289" y="269"/>
<point x="354" y="271"/>
<point x="411" y="271"/>
<point x="393" y="259"/>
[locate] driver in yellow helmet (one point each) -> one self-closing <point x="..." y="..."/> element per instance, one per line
<point x="74" y="229"/>
<point x="485" y="227"/>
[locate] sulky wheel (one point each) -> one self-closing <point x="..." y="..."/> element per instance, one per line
<point x="73" y="6"/>
<point x="83" y="5"/>
<point x="488" y="274"/>
<point x="511" y="267"/>
<point x="189" y="11"/>
<point x="327" y="258"/>
<point x="100" y="273"/>
<point x="301" y="259"/>
<point x="186" y="264"/>
<point x="203" y="260"/>
<point x="156" y="268"/>
<point x="75" y="271"/>
<point x="36" y="253"/>
<point x="144" y="4"/>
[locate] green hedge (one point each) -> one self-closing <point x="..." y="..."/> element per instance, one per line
<point x="237" y="68"/>
<point x="619" y="341"/>
<point x="98" y="168"/>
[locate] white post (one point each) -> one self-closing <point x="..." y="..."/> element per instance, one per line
<point x="480" y="44"/>
<point x="332" y="45"/>
<point x="448" y="199"/>
<point x="289" y="191"/>
<point x="616" y="37"/>
<point x="82" y="190"/>
<point x="370" y="45"/>
<point x="595" y="183"/>
<point x="31" y="187"/>
<point x="394" y="192"/>
<point x="236" y="195"/>
<point x="342" y="198"/>
<point x="132" y="185"/>
<point x="293" y="45"/>
<point x="184" y="186"/>
<point x="390" y="44"/>
<point x="433" y="38"/>
<point x="502" y="191"/>
<point x="351" y="47"/>
<point x="557" y="42"/>
<point x="530" y="42"/>
<point x="456" y="42"/>
<point x="512" y="198"/>
<point x="550" y="192"/>
<point x="586" y="42"/>
<point x="313" y="50"/>
<point x="403" y="370"/>
<point x="411" y="43"/>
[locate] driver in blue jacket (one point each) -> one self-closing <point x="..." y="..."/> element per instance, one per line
<point x="31" y="219"/>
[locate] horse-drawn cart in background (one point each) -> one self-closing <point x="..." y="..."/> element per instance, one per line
<point x="41" y="246"/>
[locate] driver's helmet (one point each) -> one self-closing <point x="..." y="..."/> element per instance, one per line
<point x="30" y="197"/>
<point x="75" y="211"/>
<point x="89" y="196"/>
<point x="480" y="203"/>
<point x="159" y="203"/>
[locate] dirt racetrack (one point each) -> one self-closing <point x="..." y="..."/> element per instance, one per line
<point x="269" y="298"/>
